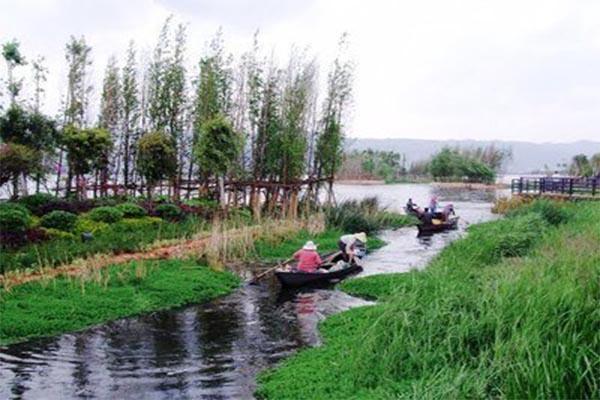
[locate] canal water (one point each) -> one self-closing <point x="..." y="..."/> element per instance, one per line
<point x="215" y="350"/>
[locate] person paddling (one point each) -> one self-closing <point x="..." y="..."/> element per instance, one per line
<point x="308" y="258"/>
<point x="349" y="243"/>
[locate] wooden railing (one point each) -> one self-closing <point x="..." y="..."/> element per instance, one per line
<point x="571" y="186"/>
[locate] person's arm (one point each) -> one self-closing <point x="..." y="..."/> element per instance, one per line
<point x="297" y="255"/>
<point x="318" y="259"/>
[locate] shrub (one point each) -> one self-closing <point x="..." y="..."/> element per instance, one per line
<point x="364" y="216"/>
<point x="134" y="224"/>
<point x="72" y="206"/>
<point x="61" y="220"/>
<point x="14" y="218"/>
<point x="106" y="214"/>
<point x="168" y="211"/>
<point x="131" y="210"/>
<point x="36" y="201"/>
<point x="52" y="233"/>
<point x="553" y="212"/>
<point x="88" y="225"/>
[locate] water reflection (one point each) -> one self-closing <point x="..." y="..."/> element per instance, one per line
<point x="215" y="350"/>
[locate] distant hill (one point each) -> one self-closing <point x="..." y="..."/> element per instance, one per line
<point x="527" y="156"/>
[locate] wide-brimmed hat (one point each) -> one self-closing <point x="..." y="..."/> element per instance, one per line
<point x="361" y="236"/>
<point x="309" y="245"/>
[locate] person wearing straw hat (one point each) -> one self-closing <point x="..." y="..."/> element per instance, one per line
<point x="308" y="258"/>
<point x="349" y="243"/>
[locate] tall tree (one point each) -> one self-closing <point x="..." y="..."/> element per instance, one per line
<point x="110" y="116"/>
<point x="40" y="73"/>
<point x="78" y="56"/>
<point x="339" y="92"/>
<point x="157" y="159"/>
<point x="13" y="57"/>
<point x="130" y="111"/>
<point x="217" y="150"/>
<point x="158" y="96"/>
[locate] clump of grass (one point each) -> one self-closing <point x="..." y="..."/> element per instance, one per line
<point x="364" y="216"/>
<point x="70" y="303"/>
<point x="510" y="311"/>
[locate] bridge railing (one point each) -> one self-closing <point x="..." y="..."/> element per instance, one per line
<point x="565" y="186"/>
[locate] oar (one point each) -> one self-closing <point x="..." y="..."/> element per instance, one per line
<point x="259" y="276"/>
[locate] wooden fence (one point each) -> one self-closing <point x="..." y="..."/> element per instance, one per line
<point x="570" y="186"/>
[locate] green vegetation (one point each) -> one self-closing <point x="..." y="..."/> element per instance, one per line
<point x="479" y="164"/>
<point x="270" y="251"/>
<point x="126" y="236"/>
<point x="61" y="220"/>
<point x="106" y="214"/>
<point x="365" y="216"/>
<point x="14" y="218"/>
<point x="168" y="211"/>
<point x="47" y="308"/>
<point x="510" y="311"/>
<point x="131" y="210"/>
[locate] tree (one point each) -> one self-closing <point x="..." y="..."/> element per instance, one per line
<point x="595" y="163"/>
<point x="217" y="149"/>
<point x="13" y="57"/>
<point x="580" y="166"/>
<point x="131" y="110"/>
<point x="339" y="94"/>
<point x="156" y="159"/>
<point x="78" y="90"/>
<point x="110" y="114"/>
<point x="33" y="130"/>
<point x="16" y="160"/>
<point x="87" y="150"/>
<point x="40" y="73"/>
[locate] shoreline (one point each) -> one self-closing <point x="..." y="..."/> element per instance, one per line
<point x="457" y="185"/>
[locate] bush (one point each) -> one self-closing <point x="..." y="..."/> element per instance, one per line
<point x="134" y="224"/>
<point x="553" y="212"/>
<point x="106" y="214"/>
<point x="364" y="216"/>
<point x="61" y="220"/>
<point x="88" y="225"/>
<point x="132" y="210"/>
<point x="14" y="218"/>
<point x="35" y="202"/>
<point x="52" y="233"/>
<point x="168" y="211"/>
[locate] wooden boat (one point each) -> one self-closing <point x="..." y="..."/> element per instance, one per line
<point x="430" y="228"/>
<point x="298" y="279"/>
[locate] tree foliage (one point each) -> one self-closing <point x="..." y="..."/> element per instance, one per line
<point x="157" y="158"/>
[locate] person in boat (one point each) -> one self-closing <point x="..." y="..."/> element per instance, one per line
<point x="447" y="211"/>
<point x="411" y="206"/>
<point x="348" y="244"/>
<point x="308" y="258"/>
<point x="433" y="204"/>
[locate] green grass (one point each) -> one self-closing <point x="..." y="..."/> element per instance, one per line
<point x="40" y="309"/>
<point x="510" y="311"/>
<point x="273" y="251"/>
<point x="117" y="238"/>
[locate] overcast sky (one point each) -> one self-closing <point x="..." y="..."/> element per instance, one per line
<point x="468" y="69"/>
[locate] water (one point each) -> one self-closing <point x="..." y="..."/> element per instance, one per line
<point x="215" y="350"/>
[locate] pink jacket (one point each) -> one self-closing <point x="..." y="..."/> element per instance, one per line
<point x="308" y="260"/>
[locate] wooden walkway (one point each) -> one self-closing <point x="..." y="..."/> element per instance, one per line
<point x="563" y="187"/>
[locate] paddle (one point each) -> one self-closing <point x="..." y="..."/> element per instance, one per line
<point x="264" y="273"/>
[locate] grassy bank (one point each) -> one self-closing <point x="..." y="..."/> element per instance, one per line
<point x="47" y="308"/>
<point x="510" y="311"/>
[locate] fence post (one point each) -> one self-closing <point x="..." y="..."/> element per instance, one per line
<point x="571" y="187"/>
<point x="594" y="182"/>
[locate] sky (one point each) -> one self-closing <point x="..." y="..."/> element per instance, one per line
<point x="465" y="69"/>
